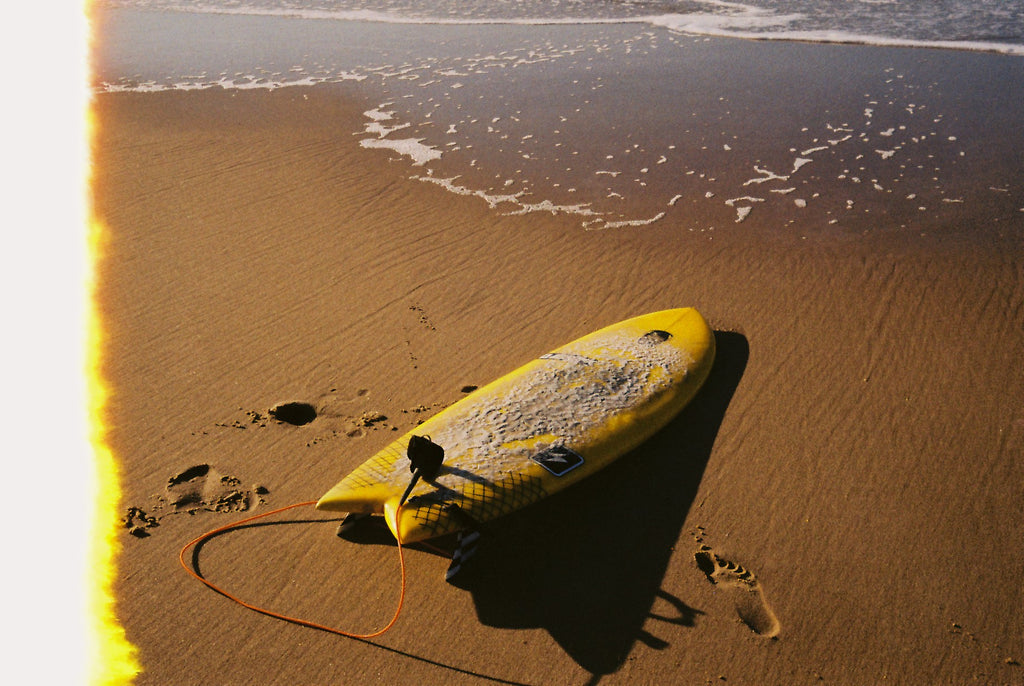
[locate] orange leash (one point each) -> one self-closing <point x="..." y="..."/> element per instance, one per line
<point x="277" y="615"/>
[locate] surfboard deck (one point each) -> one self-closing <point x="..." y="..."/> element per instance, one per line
<point x="540" y="428"/>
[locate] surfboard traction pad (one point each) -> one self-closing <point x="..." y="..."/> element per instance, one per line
<point x="483" y="502"/>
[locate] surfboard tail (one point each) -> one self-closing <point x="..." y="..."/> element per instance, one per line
<point x="343" y="498"/>
<point x="419" y="522"/>
<point x="391" y="517"/>
<point x="403" y="522"/>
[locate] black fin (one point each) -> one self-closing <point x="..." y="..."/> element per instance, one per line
<point x="469" y="540"/>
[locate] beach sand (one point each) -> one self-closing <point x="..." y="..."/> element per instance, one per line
<point x="841" y="504"/>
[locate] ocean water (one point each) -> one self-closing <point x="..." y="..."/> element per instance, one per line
<point x="627" y="114"/>
<point x="966" y="24"/>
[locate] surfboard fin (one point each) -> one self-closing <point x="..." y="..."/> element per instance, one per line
<point x="469" y="540"/>
<point x="467" y="543"/>
<point x="350" y="522"/>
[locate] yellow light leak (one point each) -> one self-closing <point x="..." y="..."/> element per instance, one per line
<point x="112" y="659"/>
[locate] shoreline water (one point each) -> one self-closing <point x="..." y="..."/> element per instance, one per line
<point x="641" y="120"/>
<point x="696" y="18"/>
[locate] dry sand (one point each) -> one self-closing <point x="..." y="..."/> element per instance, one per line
<point x="841" y="504"/>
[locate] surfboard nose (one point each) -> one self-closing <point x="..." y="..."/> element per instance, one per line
<point x="691" y="326"/>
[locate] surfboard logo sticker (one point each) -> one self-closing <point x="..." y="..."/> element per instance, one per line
<point x="558" y="460"/>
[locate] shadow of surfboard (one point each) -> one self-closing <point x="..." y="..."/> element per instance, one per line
<point x="587" y="565"/>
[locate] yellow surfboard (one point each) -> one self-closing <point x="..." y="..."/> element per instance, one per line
<point x="538" y="429"/>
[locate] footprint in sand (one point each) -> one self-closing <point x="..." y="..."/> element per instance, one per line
<point x="199" y="488"/>
<point x="743" y="589"/>
<point x="202" y="487"/>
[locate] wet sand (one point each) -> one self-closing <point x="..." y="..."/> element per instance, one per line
<point x="840" y="504"/>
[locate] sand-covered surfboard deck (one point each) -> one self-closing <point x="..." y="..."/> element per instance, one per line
<point x="540" y="428"/>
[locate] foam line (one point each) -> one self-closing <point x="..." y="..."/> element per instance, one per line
<point x="411" y="147"/>
<point x="627" y="223"/>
